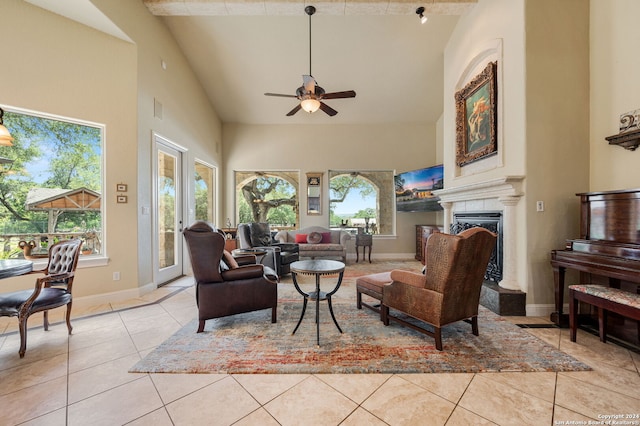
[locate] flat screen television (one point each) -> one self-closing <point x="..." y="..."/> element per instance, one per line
<point x="414" y="189"/>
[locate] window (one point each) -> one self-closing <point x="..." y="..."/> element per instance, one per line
<point x="270" y="197"/>
<point x="204" y="187"/>
<point x="50" y="184"/>
<point x="362" y="198"/>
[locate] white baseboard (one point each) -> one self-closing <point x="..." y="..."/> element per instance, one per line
<point x="379" y="256"/>
<point x="542" y="310"/>
<point x="113" y="297"/>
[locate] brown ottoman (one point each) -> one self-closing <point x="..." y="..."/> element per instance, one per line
<point x="371" y="285"/>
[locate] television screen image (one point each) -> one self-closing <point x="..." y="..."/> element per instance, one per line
<point x="414" y="189"/>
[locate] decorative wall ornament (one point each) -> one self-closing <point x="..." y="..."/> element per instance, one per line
<point x="476" y="117"/>
<point x="314" y="193"/>
<point x="630" y="121"/>
<point x="629" y="136"/>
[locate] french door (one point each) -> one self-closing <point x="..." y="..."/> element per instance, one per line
<point x="168" y="209"/>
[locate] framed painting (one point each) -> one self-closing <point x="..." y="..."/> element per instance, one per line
<point x="476" y="117"/>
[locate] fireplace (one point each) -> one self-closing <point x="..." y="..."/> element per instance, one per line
<point x="492" y="204"/>
<point x="492" y="221"/>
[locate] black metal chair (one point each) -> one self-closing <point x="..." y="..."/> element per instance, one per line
<point x="51" y="291"/>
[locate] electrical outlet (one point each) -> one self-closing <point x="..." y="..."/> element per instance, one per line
<point x="539" y="206"/>
<point x="116" y="276"/>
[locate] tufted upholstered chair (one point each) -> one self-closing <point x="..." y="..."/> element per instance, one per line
<point x="222" y="286"/>
<point x="51" y="291"/>
<point x="449" y="291"/>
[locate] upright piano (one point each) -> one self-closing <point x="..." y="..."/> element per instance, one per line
<point x="608" y="250"/>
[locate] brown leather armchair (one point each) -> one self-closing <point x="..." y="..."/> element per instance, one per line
<point x="450" y="289"/>
<point x="222" y="286"/>
<point x="51" y="291"/>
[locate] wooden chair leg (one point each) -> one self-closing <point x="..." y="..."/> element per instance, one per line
<point x="68" y="317"/>
<point x="474" y="326"/>
<point x="384" y="314"/>
<point x="602" y="324"/>
<point x="573" y="316"/>
<point x="22" y="325"/>
<point x="45" y="321"/>
<point x="273" y="314"/>
<point x="437" y="335"/>
<point x="200" y="326"/>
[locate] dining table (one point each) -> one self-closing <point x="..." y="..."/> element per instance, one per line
<point x="14" y="267"/>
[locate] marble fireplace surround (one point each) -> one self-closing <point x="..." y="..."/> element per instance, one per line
<point x="500" y="194"/>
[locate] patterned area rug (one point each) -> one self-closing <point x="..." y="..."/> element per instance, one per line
<point x="250" y="343"/>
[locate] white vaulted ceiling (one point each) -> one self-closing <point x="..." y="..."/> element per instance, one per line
<point x="241" y="49"/>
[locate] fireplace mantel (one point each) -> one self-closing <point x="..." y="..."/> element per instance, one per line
<point x="508" y="186"/>
<point x="501" y="194"/>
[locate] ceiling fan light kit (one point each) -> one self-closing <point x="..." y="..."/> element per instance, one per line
<point x="310" y="105"/>
<point x="310" y="94"/>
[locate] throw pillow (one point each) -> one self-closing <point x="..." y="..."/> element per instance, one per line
<point x="314" y="238"/>
<point x="326" y="238"/>
<point x="301" y="238"/>
<point x="260" y="234"/>
<point x="229" y="260"/>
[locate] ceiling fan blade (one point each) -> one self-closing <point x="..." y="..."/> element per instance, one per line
<point x="296" y="109"/>
<point x="309" y="83"/>
<point x="326" y="108"/>
<point x="280" y="95"/>
<point x="339" y="95"/>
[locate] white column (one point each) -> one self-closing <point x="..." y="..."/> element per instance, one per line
<point x="448" y="216"/>
<point x="509" y="234"/>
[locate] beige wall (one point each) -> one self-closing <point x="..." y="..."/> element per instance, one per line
<point x="615" y="89"/>
<point x="61" y="67"/>
<point x="492" y="31"/>
<point x="188" y="117"/>
<point x="320" y="148"/>
<point x="543" y="96"/>
<point x="557" y="132"/>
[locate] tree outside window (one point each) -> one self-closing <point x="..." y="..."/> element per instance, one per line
<point x="362" y="198"/>
<point x="204" y="187"/>
<point x="51" y="187"/>
<point x="270" y="197"/>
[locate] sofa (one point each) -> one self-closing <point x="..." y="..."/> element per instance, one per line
<point x="317" y="242"/>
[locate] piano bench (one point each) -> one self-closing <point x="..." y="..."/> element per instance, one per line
<point x="605" y="299"/>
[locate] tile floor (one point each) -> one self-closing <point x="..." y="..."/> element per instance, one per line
<point x="83" y="380"/>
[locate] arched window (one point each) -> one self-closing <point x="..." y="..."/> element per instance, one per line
<point x="270" y="197"/>
<point x="362" y="198"/>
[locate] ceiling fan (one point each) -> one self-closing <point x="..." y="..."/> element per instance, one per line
<point x="310" y="94"/>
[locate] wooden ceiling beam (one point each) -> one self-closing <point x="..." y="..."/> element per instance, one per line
<point x="296" y="7"/>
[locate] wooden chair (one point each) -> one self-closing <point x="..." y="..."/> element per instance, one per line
<point x="51" y="291"/>
<point x="449" y="291"/>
